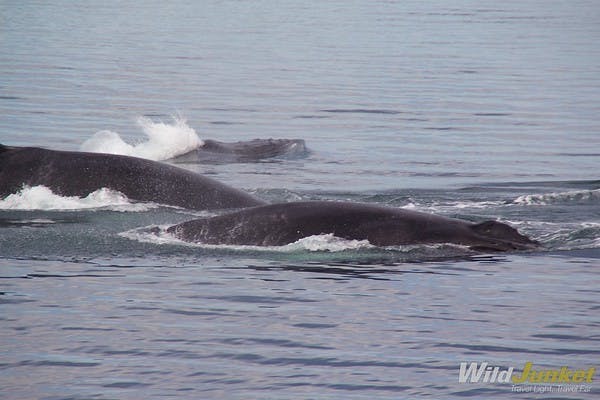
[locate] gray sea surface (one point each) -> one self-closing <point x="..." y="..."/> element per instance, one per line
<point x="469" y="109"/>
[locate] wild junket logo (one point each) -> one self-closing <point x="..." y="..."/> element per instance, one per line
<point x="562" y="375"/>
<point x="485" y="373"/>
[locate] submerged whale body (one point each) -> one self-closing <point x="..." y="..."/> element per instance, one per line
<point x="70" y="173"/>
<point x="280" y="224"/>
<point x="213" y="151"/>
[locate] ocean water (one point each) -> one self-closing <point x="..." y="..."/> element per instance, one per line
<point x="471" y="109"/>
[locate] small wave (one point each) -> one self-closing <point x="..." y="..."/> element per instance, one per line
<point x="579" y="236"/>
<point x="576" y="196"/>
<point x="164" y="141"/>
<point x="450" y="206"/>
<point x="561" y="236"/>
<point x="42" y="198"/>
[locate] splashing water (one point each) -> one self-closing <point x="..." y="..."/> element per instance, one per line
<point x="577" y="196"/>
<point x="42" y="198"/>
<point x="164" y="140"/>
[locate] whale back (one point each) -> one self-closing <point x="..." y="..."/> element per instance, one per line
<point x="280" y="224"/>
<point x="256" y="150"/>
<point x="79" y="173"/>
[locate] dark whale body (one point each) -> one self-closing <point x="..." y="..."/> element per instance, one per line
<point x="280" y="224"/>
<point x="70" y="173"/>
<point x="215" y="152"/>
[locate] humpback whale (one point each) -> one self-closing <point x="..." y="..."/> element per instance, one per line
<point x="216" y="152"/>
<point x="70" y="173"/>
<point x="280" y="224"/>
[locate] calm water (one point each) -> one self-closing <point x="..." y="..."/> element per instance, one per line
<point x="468" y="109"/>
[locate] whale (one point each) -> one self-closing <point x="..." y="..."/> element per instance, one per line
<point x="72" y="173"/>
<point x="285" y="223"/>
<point x="255" y="150"/>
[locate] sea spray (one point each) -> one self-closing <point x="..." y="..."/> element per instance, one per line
<point x="42" y="198"/>
<point x="164" y="140"/>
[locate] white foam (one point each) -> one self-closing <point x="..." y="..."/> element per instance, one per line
<point x="164" y="140"/>
<point x="42" y="198"/>
<point x="451" y="206"/>
<point x="327" y="242"/>
<point x="155" y="234"/>
<point x="559" y="197"/>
